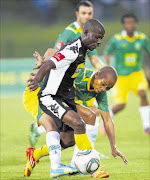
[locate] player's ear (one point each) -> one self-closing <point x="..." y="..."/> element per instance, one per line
<point x="77" y="13"/>
<point x="97" y="74"/>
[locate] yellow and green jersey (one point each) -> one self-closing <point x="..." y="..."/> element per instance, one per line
<point x="70" y="33"/>
<point x="128" y="51"/>
<point x="84" y="93"/>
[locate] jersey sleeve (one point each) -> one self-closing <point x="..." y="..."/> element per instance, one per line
<point x="91" y="53"/>
<point x="66" y="36"/>
<point x="147" y="45"/>
<point x="111" y="47"/>
<point x="102" y="101"/>
<point x="64" y="57"/>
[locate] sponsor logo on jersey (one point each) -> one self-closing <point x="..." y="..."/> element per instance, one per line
<point x="59" y="45"/>
<point x="59" y="56"/>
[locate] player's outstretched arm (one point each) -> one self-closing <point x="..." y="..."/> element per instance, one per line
<point x="33" y="83"/>
<point x="110" y="130"/>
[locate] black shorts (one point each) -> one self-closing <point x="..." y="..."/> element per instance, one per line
<point x="56" y="107"/>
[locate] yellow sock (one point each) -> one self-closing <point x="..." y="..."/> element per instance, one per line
<point x="82" y="141"/>
<point x="38" y="153"/>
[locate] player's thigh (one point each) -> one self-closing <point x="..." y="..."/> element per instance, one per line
<point x="30" y="102"/>
<point x="56" y="108"/>
<point x="138" y="82"/>
<point x="87" y="114"/>
<point x="72" y="119"/>
<point x="47" y="122"/>
<point x="120" y="91"/>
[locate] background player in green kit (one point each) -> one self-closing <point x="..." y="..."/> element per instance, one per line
<point x="84" y="12"/>
<point x="127" y="47"/>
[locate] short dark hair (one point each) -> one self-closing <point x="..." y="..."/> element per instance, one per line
<point x="128" y="15"/>
<point x="84" y="3"/>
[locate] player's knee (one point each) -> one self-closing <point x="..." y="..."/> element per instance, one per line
<point x="122" y="106"/>
<point x="80" y="125"/>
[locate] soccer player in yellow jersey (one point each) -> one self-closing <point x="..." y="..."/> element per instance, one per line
<point x="127" y="47"/>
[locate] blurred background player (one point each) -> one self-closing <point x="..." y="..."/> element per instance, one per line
<point x="84" y="12"/>
<point x="127" y="47"/>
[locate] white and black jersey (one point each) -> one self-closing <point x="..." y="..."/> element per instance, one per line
<point x="56" y="96"/>
<point x="59" y="81"/>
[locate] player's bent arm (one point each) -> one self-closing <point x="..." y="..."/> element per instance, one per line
<point x="45" y="68"/>
<point x="107" y="58"/>
<point x="96" y="62"/>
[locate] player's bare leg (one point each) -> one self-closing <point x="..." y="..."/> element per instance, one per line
<point x="144" y="111"/>
<point x="115" y="109"/>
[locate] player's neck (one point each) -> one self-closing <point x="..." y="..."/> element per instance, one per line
<point x="130" y="34"/>
<point x="80" y="24"/>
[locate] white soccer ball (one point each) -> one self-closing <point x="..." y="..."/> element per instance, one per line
<point x="87" y="161"/>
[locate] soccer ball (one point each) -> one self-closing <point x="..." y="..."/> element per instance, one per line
<point x="87" y="161"/>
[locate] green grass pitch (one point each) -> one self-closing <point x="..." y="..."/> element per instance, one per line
<point x="131" y="141"/>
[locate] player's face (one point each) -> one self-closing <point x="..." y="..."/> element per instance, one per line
<point x="93" y="39"/>
<point x="130" y="24"/>
<point x="85" y="13"/>
<point x="102" y="84"/>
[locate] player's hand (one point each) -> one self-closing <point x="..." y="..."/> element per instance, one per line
<point x="33" y="85"/>
<point x="116" y="152"/>
<point x="32" y="75"/>
<point x="39" y="60"/>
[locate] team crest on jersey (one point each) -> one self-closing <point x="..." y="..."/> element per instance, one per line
<point x="124" y="45"/>
<point x="137" y="46"/>
<point x="78" y="70"/>
<point x="59" y="56"/>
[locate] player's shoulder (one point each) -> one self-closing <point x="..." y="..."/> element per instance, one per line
<point x="117" y="36"/>
<point x="71" y="49"/>
<point x="141" y="35"/>
<point x="72" y="27"/>
<point x="88" y="72"/>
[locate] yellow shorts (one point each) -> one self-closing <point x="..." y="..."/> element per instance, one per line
<point x="133" y="82"/>
<point x="85" y="103"/>
<point x="31" y="103"/>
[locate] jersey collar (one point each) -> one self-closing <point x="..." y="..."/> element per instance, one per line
<point x="77" y="26"/>
<point x="124" y="33"/>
